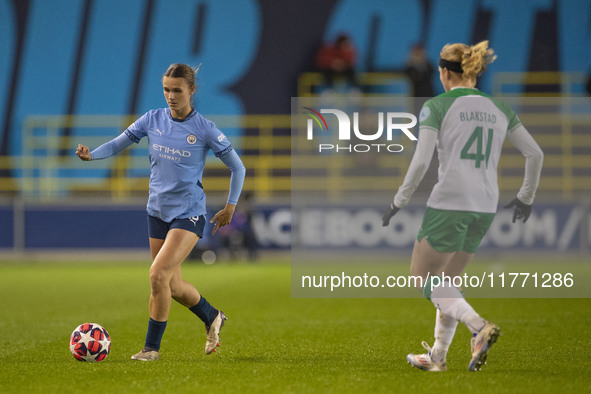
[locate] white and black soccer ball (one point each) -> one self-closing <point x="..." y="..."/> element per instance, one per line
<point x="90" y="342"/>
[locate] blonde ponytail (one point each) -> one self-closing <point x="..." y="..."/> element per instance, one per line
<point x="473" y="59"/>
<point x="476" y="58"/>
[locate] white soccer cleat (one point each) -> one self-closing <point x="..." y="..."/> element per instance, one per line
<point x="213" y="333"/>
<point x="424" y="362"/>
<point x="146" y="355"/>
<point x="481" y="344"/>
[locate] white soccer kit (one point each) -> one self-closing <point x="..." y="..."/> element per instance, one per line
<point x="468" y="128"/>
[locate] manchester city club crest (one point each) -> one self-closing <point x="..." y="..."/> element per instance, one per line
<point x="191" y="139"/>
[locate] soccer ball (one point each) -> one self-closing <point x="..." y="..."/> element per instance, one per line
<point x="90" y="342"/>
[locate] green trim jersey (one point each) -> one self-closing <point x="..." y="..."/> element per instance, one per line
<point x="471" y="128"/>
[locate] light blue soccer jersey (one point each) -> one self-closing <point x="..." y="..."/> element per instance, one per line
<point x="178" y="149"/>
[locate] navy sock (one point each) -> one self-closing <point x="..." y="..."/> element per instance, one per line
<point x="154" y="335"/>
<point x="204" y="311"/>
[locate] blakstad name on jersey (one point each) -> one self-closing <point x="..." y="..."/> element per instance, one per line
<point x="478" y="116"/>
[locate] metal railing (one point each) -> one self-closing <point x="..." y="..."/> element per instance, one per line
<point x="539" y="84"/>
<point x="374" y="83"/>
<point x="47" y="167"/>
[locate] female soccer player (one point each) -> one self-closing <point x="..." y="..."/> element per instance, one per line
<point x="468" y="128"/>
<point x="180" y="139"/>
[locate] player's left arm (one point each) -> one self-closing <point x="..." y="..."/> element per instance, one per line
<point x="534" y="158"/>
<point x="233" y="162"/>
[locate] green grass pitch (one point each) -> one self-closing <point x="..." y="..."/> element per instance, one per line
<point x="271" y="342"/>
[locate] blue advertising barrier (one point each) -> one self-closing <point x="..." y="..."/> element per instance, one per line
<point x="562" y="227"/>
<point x="551" y="227"/>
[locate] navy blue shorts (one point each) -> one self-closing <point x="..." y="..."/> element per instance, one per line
<point x="158" y="228"/>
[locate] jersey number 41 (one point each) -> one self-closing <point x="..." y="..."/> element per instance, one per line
<point x="476" y="138"/>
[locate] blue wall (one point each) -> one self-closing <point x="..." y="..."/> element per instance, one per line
<point x="107" y="56"/>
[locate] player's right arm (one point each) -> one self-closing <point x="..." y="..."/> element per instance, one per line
<point x="430" y="123"/>
<point x="419" y="165"/>
<point x="416" y="172"/>
<point x="107" y="149"/>
<point x="134" y="133"/>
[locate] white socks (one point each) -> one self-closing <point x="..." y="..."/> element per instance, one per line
<point x="445" y="328"/>
<point x="450" y="301"/>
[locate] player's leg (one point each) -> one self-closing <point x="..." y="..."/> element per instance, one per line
<point x="444" y="233"/>
<point x="186" y="294"/>
<point x="445" y="329"/>
<point x="446" y="297"/>
<point x="445" y="326"/>
<point x="212" y="318"/>
<point x="426" y="262"/>
<point x="488" y="335"/>
<point x="157" y="230"/>
<point x="182" y="291"/>
<point x="155" y="246"/>
<point x="441" y="250"/>
<point x="451" y="307"/>
<point x="456" y="265"/>
<point x="176" y="248"/>
<point x="168" y="255"/>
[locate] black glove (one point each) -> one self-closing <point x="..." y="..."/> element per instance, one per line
<point x="522" y="210"/>
<point x="391" y="211"/>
